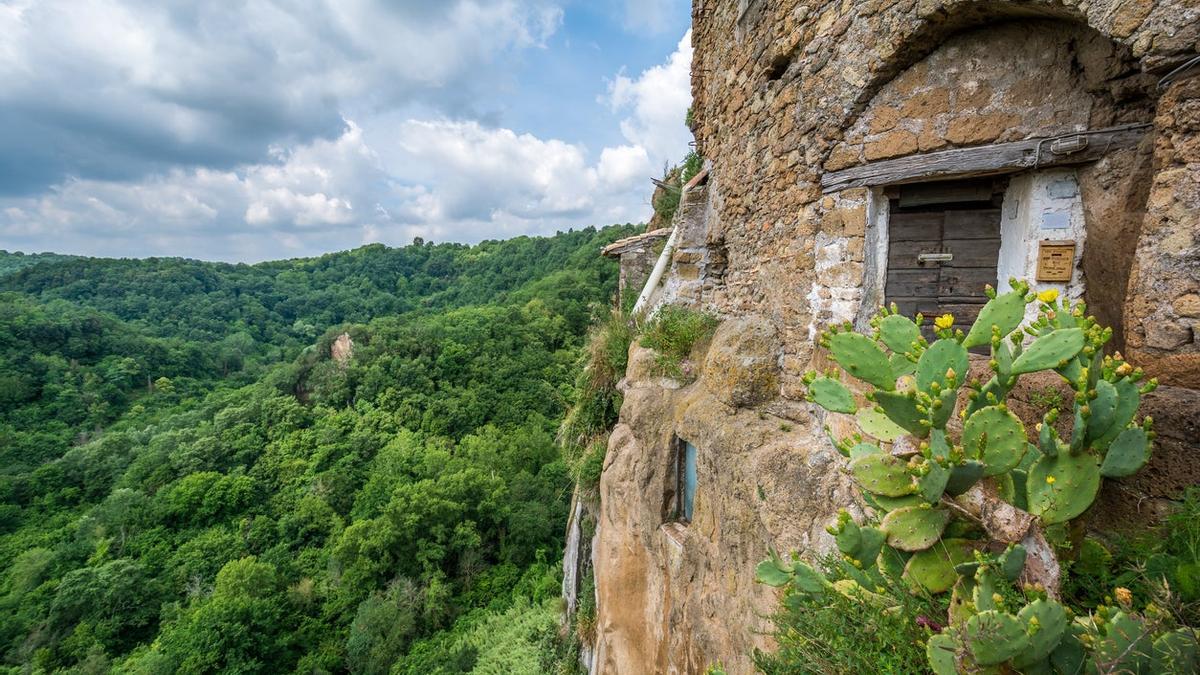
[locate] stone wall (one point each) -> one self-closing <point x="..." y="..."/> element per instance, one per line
<point x="788" y="90"/>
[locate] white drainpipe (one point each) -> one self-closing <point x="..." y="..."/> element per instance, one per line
<point x="660" y="267"/>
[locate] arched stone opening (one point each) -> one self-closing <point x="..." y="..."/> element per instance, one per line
<point x="1002" y="83"/>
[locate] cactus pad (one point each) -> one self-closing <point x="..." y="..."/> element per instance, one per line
<point x="933" y="484"/>
<point x="883" y="475"/>
<point x="963" y="476"/>
<point x="943" y="408"/>
<point x="1128" y="399"/>
<point x="862" y="358"/>
<point x="1127" y="645"/>
<point x="864" y="449"/>
<point x="941" y="356"/>
<point x="1012" y="561"/>
<point x="1060" y="488"/>
<point x="870" y="543"/>
<point x="1175" y="652"/>
<point x="995" y="437"/>
<point x="898" y="333"/>
<point x="1069" y="656"/>
<point x="995" y="637"/>
<point x="885" y="504"/>
<point x="849" y="535"/>
<point x="774" y="571"/>
<point x="1003" y="311"/>
<point x="914" y="528"/>
<point x="1045" y="623"/>
<point x="902" y="409"/>
<point x="901" y="366"/>
<point x="832" y="395"/>
<point x="1126" y="454"/>
<point x="933" y="568"/>
<point x="942" y="650"/>
<point x="1104" y="408"/>
<point x="875" y="424"/>
<point x="1049" y="351"/>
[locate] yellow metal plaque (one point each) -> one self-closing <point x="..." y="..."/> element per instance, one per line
<point x="1056" y="260"/>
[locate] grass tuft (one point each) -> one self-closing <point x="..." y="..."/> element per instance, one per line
<point x="672" y="333"/>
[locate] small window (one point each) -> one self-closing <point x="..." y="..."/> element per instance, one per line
<point x="682" y="487"/>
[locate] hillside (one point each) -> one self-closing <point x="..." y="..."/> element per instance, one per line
<point x="16" y="260"/>
<point x="193" y="482"/>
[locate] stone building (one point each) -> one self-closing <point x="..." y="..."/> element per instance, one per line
<point x="867" y="151"/>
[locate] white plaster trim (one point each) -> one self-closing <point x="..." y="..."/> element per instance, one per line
<point x="1034" y="203"/>
<point x="875" y="257"/>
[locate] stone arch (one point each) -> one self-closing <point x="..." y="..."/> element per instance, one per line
<point x="1020" y="76"/>
<point x="916" y="38"/>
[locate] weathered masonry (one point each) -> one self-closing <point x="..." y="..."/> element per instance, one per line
<point x="870" y="151"/>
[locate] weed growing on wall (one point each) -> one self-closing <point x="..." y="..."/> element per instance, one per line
<point x="584" y="431"/>
<point x="672" y="333"/>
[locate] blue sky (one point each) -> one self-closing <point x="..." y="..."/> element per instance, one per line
<point x="279" y="128"/>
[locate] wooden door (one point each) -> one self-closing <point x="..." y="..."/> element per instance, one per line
<point x="942" y="251"/>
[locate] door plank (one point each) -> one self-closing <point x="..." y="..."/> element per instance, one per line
<point x="913" y="283"/>
<point x="915" y="226"/>
<point x="966" y="281"/>
<point x="973" y="224"/>
<point x="902" y="255"/>
<point x="973" y="252"/>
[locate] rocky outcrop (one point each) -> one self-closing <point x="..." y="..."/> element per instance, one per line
<point x="676" y="597"/>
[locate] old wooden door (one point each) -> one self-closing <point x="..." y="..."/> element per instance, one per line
<point x="944" y="246"/>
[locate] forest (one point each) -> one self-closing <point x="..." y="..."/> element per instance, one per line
<point x="194" y="478"/>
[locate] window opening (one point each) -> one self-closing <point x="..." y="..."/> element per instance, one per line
<point x="681" y="488"/>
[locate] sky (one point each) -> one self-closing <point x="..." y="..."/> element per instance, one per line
<point x="265" y="129"/>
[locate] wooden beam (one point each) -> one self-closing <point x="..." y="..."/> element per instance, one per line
<point x="1074" y="148"/>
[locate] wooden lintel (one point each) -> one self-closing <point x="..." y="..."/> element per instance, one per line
<point x="1073" y="148"/>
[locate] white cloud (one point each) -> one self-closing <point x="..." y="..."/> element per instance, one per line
<point x="427" y="172"/>
<point x="656" y="103"/>
<point x="125" y="88"/>
<point x="495" y="182"/>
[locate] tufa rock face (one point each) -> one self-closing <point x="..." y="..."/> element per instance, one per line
<point x="677" y="597"/>
<point x="342" y="349"/>
<point x="741" y="368"/>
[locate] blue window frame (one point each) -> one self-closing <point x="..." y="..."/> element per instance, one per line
<point x="689" y="481"/>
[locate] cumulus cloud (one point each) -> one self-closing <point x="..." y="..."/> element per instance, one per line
<point x="656" y="102"/>
<point x="253" y="211"/>
<point x="229" y="132"/>
<point x="124" y="88"/>
<point x="445" y="180"/>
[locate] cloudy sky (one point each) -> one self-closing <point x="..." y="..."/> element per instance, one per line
<point x="260" y="129"/>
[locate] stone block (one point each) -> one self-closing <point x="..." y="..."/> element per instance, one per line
<point x="974" y="129"/>
<point x="892" y="144"/>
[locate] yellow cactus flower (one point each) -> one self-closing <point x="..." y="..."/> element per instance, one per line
<point x="1050" y="480"/>
<point x="1124" y="597"/>
<point x="944" y="321"/>
<point x="1048" y="295"/>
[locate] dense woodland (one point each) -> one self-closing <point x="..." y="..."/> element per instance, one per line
<point x="190" y="482"/>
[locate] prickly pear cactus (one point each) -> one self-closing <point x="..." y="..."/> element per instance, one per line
<point x="929" y="482"/>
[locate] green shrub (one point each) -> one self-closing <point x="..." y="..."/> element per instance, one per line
<point x="672" y="333"/>
<point x="690" y="167"/>
<point x="666" y="200"/>
<point x="597" y="400"/>
<point x="1162" y="565"/>
<point x="830" y="632"/>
